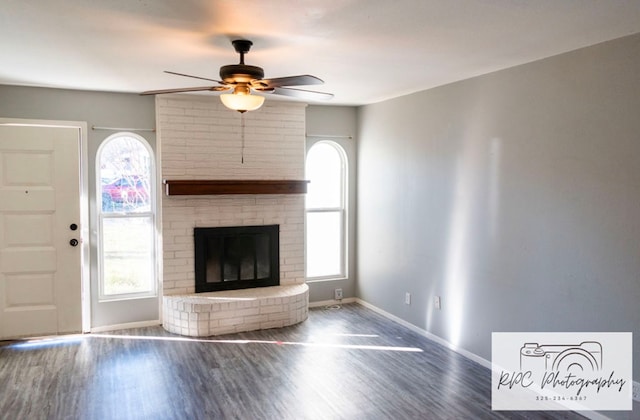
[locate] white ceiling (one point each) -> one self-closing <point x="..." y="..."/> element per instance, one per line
<point x="365" y="50"/>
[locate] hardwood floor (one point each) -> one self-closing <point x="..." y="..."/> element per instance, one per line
<point x="347" y="363"/>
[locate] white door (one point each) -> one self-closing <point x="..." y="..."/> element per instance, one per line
<point x="40" y="264"/>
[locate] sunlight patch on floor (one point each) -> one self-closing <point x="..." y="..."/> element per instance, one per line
<point x="39" y="343"/>
<point x="276" y="342"/>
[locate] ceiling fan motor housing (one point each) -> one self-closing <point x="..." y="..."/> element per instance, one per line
<point x="240" y="73"/>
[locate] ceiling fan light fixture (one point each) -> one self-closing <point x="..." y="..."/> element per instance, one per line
<point x="241" y="100"/>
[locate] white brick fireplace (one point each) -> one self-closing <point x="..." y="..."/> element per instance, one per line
<point x="200" y="139"/>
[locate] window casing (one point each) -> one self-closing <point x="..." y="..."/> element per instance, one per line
<point x="326" y="212"/>
<point x="125" y="177"/>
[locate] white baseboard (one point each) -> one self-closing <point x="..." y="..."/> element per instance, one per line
<point x="593" y="415"/>
<point x="427" y="334"/>
<point x="331" y="302"/>
<point x="126" y="326"/>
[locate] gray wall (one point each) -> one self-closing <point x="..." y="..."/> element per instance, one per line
<point x="337" y="123"/>
<point x="514" y="196"/>
<point x="99" y="109"/>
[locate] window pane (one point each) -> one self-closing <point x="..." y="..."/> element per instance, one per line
<point x="324" y="244"/>
<point x="127" y="251"/>
<point x="324" y="170"/>
<point x="125" y="174"/>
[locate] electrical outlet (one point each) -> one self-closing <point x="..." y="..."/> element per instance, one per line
<point x="636" y="391"/>
<point x="337" y="294"/>
<point x="407" y="298"/>
<point x="438" y="302"/>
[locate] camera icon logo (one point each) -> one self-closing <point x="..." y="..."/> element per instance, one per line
<point x="583" y="357"/>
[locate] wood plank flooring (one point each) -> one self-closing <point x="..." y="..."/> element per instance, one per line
<point x="347" y="363"/>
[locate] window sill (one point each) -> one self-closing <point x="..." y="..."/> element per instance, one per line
<point x="131" y="296"/>
<point x="324" y="279"/>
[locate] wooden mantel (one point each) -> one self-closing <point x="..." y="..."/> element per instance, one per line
<point x="218" y="187"/>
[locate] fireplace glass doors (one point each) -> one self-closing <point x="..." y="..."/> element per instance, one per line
<point x="241" y="257"/>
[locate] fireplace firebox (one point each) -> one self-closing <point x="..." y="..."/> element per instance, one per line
<point x="228" y="258"/>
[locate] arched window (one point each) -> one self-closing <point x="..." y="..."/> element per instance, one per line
<point x="125" y="191"/>
<point x="326" y="221"/>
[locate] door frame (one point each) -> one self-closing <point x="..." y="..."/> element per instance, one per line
<point x="84" y="204"/>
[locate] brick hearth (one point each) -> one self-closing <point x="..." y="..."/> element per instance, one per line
<point x="215" y="313"/>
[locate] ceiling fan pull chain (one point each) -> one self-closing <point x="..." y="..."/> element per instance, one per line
<point x="242" y="134"/>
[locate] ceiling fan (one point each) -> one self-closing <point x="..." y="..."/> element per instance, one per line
<point x="243" y="78"/>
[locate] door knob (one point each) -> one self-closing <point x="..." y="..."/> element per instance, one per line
<point x="73" y="242"/>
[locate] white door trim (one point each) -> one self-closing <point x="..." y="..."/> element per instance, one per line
<point x="84" y="204"/>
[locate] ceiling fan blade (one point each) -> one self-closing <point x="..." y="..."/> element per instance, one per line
<point x="179" y="90"/>
<point x="194" y="77"/>
<point x="302" y="94"/>
<point x="302" y="80"/>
